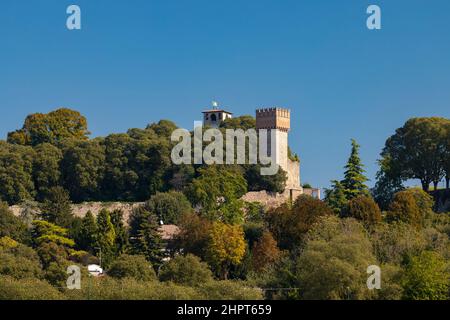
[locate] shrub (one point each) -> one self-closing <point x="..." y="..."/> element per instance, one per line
<point x="10" y="225"/>
<point x="108" y="288"/>
<point x="289" y="225"/>
<point x="19" y="267"/>
<point x="405" y="208"/>
<point x="132" y="266"/>
<point x="334" y="260"/>
<point x="426" y="278"/>
<point x="364" y="209"/>
<point x="186" y="270"/>
<point x="393" y="242"/>
<point x="27" y="289"/>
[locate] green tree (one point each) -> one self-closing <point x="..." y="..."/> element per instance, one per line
<point x="87" y="237"/>
<point x="106" y="237"/>
<point x="44" y="231"/>
<point x="218" y="191"/>
<point x="169" y="206"/>
<point x="194" y="234"/>
<point x="52" y="254"/>
<point x="446" y="156"/>
<point x="243" y="122"/>
<point x="132" y="266"/>
<point x="51" y="128"/>
<point x="16" y="169"/>
<point x="163" y="128"/>
<point x="82" y="169"/>
<point x="405" y="208"/>
<point x="121" y="241"/>
<point x="270" y="183"/>
<point x="354" y="178"/>
<point x="416" y="150"/>
<point x="186" y="270"/>
<point x="145" y="238"/>
<point x="334" y="260"/>
<point x="335" y="197"/>
<point x="46" y="169"/>
<point x="364" y="209"/>
<point x="388" y="183"/>
<point x="120" y="179"/>
<point x="426" y="278"/>
<point x="394" y="242"/>
<point x="18" y="261"/>
<point x="56" y="207"/>
<point x="290" y="224"/>
<point x="10" y="225"/>
<point x="424" y="201"/>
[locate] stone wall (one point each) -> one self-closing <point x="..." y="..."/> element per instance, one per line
<point x="80" y="210"/>
<point x="293" y="174"/>
<point x="267" y="199"/>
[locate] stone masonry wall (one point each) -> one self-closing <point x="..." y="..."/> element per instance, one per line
<point x="80" y="210"/>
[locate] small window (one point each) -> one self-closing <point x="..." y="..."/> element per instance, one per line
<point x="213" y="118"/>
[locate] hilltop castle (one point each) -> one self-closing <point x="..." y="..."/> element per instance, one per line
<point x="278" y="120"/>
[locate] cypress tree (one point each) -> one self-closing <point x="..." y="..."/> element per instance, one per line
<point x="106" y="237"/>
<point x="145" y="238"/>
<point x="354" y="178"/>
<point x="88" y="233"/>
<point x="121" y="242"/>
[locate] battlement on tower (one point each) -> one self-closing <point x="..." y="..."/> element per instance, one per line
<point x="273" y="118"/>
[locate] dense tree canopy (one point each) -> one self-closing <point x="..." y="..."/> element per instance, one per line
<point x="334" y="261"/>
<point x="169" y="206"/>
<point x="11" y="226"/>
<point x="217" y="191"/>
<point x="419" y="150"/>
<point x="302" y="249"/>
<point x="290" y="224"/>
<point x="51" y="128"/>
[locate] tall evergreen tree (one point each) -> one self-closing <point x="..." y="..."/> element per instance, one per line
<point x="354" y="178"/>
<point x="145" y="238"/>
<point x="335" y="197"/>
<point x="86" y="240"/>
<point x="106" y="237"/>
<point x="121" y="242"/>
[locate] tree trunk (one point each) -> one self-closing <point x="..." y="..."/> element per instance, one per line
<point x="425" y="186"/>
<point x="447" y="183"/>
<point x="435" y="184"/>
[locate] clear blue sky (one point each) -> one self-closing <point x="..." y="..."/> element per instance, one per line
<point x="135" y="62"/>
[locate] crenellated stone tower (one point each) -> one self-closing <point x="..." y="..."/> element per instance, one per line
<point x="279" y="119"/>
